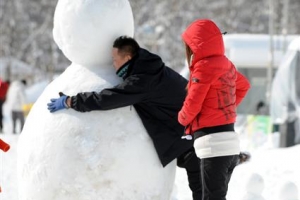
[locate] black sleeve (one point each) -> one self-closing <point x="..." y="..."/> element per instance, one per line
<point x="133" y="90"/>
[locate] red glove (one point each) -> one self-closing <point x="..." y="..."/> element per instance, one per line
<point x="4" y="146"/>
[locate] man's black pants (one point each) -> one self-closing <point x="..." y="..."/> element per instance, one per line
<point x="191" y="163"/>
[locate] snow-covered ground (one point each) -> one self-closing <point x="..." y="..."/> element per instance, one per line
<point x="271" y="170"/>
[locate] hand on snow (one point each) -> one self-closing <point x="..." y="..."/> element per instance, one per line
<point x="58" y="104"/>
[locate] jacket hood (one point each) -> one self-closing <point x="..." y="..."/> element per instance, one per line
<point x="146" y="63"/>
<point x="204" y="38"/>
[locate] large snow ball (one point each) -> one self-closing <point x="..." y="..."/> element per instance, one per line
<point x="85" y="29"/>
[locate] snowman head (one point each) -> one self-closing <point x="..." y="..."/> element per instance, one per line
<point x="86" y="29"/>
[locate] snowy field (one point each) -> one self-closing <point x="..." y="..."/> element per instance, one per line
<point x="271" y="171"/>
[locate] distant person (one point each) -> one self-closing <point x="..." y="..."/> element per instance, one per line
<point x="3" y="91"/>
<point x="261" y="108"/>
<point x="156" y="92"/>
<point x="215" y="89"/>
<point x="16" y="99"/>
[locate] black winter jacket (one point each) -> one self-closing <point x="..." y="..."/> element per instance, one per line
<point x="156" y="92"/>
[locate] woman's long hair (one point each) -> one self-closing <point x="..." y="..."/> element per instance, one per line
<point x="189" y="57"/>
<point x="188" y="54"/>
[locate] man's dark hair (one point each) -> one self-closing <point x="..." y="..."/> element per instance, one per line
<point x="24" y="81"/>
<point x="126" y="45"/>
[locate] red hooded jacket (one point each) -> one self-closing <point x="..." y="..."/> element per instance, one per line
<point x="215" y="87"/>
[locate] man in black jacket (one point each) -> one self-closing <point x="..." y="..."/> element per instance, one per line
<point x="157" y="93"/>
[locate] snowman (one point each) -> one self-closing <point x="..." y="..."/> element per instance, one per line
<point x="99" y="155"/>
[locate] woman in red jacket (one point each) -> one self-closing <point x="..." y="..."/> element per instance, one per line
<point x="215" y="89"/>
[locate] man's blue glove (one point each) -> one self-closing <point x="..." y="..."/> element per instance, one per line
<point x="58" y="104"/>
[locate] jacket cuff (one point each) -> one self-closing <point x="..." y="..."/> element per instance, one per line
<point x="73" y="102"/>
<point x="182" y="118"/>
